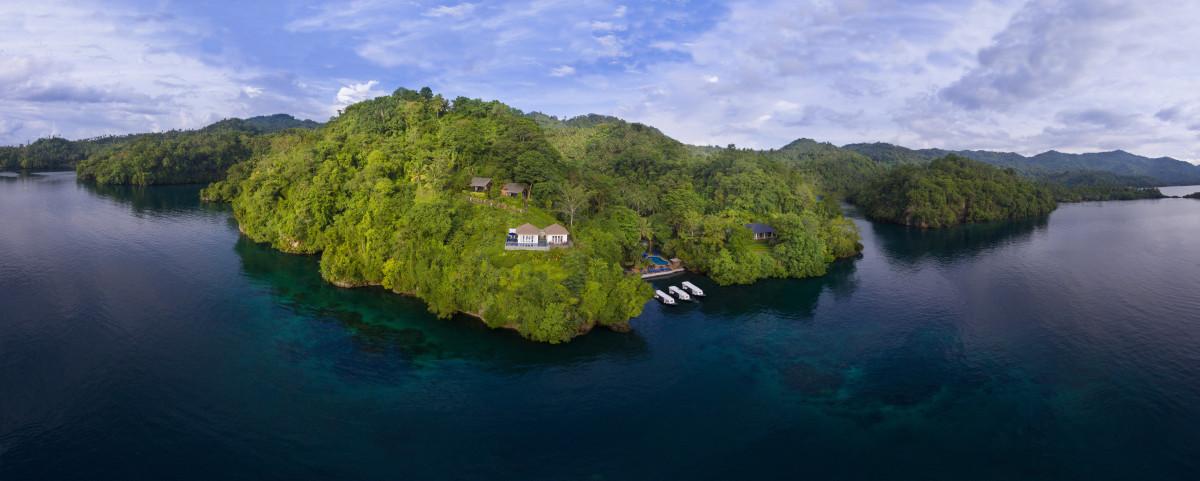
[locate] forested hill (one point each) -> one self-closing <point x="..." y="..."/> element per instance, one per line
<point x="185" y="156"/>
<point x="836" y="170"/>
<point x="1161" y="171"/>
<point x="381" y="193"/>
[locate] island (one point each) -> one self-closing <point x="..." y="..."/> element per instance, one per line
<point x="528" y="222"/>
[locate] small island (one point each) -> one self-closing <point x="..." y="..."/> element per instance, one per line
<point x="525" y="221"/>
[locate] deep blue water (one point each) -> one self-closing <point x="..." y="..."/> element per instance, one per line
<point x="142" y="338"/>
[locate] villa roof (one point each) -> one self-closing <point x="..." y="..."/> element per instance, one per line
<point x="515" y="187"/>
<point x="480" y="181"/>
<point x="760" y="228"/>
<point x="528" y="229"/>
<point x="555" y="229"/>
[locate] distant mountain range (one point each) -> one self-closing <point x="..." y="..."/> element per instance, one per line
<point x="1132" y="168"/>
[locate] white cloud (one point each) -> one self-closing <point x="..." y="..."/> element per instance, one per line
<point x="563" y="71"/>
<point x="357" y="92"/>
<point x="456" y="11"/>
<point x="252" y="92"/>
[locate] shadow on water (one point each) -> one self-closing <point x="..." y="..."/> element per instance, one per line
<point x="785" y="298"/>
<point x="156" y="201"/>
<point x="910" y="245"/>
<point x="385" y="323"/>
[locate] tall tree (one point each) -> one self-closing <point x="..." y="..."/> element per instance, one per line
<point x="572" y="198"/>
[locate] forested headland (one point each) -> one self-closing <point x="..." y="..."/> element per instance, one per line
<point x="953" y="190"/>
<point x="185" y="156"/>
<point x="380" y="193"/>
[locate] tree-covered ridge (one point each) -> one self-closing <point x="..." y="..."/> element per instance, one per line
<point x="380" y="193"/>
<point x="184" y="156"/>
<point x="1161" y="171"/>
<point x="1091" y="185"/>
<point x="953" y="190"/>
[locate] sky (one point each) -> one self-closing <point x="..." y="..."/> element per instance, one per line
<point x="1012" y="75"/>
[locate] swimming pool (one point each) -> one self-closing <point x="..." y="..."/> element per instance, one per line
<point x="658" y="260"/>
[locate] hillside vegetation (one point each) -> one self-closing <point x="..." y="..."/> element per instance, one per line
<point x="379" y="193"/>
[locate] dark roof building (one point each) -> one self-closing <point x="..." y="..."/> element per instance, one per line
<point x="761" y="231"/>
<point x="514" y="189"/>
<point x="480" y="183"/>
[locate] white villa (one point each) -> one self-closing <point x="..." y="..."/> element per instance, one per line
<point x="531" y="238"/>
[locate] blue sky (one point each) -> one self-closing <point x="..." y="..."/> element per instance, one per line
<point x="1020" y="75"/>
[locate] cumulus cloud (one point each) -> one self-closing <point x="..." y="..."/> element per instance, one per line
<point x="1077" y="75"/>
<point x="849" y="64"/>
<point x="1045" y="49"/>
<point x="81" y="69"/>
<point x="358" y="92"/>
<point x="1027" y="76"/>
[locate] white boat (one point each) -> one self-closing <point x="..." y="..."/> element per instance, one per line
<point x="664" y="297"/>
<point x="696" y="291"/>
<point x="677" y="292"/>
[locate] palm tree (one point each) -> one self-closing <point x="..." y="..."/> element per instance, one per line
<point x="646" y="230"/>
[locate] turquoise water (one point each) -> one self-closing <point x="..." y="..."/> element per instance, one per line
<point x="142" y="338"/>
<point x="659" y="261"/>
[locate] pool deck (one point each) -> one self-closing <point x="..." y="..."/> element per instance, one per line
<point x="664" y="273"/>
<point x="671" y="267"/>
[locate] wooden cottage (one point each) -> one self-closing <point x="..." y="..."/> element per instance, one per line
<point x="514" y="189"/>
<point x="480" y="184"/>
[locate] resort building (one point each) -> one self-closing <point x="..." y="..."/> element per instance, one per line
<point x="514" y="189"/>
<point x="761" y="232"/>
<point x="556" y="235"/>
<point x="480" y="184"/>
<point x="527" y="234"/>
<point x="529" y="237"/>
